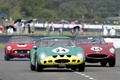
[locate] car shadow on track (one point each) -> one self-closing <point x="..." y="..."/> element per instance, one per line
<point x="57" y="70"/>
<point x="20" y="59"/>
<point x="95" y="66"/>
<point x="16" y="59"/>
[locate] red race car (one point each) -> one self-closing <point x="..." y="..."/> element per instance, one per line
<point x="97" y="50"/>
<point x="18" y="47"/>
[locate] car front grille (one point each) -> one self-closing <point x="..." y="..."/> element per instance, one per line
<point x="97" y="56"/>
<point x="62" y="61"/>
<point x="21" y="51"/>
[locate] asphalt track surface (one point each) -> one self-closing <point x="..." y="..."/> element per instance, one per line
<point x="19" y="69"/>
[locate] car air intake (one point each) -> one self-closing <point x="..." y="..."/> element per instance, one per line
<point x="21" y="51"/>
<point x="68" y="55"/>
<point x="61" y="55"/>
<point x="62" y="61"/>
<point x="55" y="56"/>
<point x="97" y="55"/>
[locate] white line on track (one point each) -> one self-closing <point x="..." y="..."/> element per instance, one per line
<point x="87" y="76"/>
<point x="84" y="75"/>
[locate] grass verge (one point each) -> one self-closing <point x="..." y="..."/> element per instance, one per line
<point x="2" y="46"/>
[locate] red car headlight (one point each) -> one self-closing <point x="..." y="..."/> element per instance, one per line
<point x="112" y="50"/>
<point x="9" y="48"/>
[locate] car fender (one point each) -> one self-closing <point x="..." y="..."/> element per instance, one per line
<point x="33" y="56"/>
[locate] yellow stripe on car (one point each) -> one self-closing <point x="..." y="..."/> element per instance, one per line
<point x="72" y="60"/>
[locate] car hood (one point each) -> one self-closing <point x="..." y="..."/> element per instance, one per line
<point x="21" y="45"/>
<point x="61" y="50"/>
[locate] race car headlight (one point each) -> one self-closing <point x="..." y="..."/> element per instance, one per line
<point x="112" y="50"/>
<point x="80" y="56"/>
<point x="28" y="52"/>
<point x="43" y="56"/>
<point x="9" y="48"/>
<point x="15" y="52"/>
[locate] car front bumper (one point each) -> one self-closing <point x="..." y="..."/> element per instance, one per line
<point x="52" y="61"/>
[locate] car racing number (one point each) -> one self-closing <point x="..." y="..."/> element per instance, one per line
<point x="96" y="48"/>
<point x="60" y="50"/>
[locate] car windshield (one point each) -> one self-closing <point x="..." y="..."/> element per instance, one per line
<point x="21" y="39"/>
<point x="56" y="42"/>
<point x="89" y="40"/>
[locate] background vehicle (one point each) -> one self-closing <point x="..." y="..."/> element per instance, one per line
<point x="18" y="47"/>
<point x="97" y="50"/>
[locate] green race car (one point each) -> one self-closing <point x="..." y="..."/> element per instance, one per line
<point x="56" y="51"/>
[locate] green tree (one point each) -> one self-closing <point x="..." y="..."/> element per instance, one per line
<point x="31" y="8"/>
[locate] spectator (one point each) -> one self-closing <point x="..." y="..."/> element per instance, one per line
<point x="76" y="31"/>
<point x="72" y="31"/>
<point x="26" y="28"/>
<point x="105" y="31"/>
<point x="29" y="30"/>
<point x="21" y="28"/>
<point x="60" y="30"/>
<point x="52" y="29"/>
<point x="10" y="31"/>
<point x="112" y="32"/>
<point x="33" y="28"/>
<point x="47" y="27"/>
<point x="17" y="26"/>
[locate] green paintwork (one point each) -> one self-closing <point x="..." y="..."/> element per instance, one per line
<point x="50" y="51"/>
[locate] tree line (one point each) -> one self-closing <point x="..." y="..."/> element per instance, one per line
<point x="90" y="10"/>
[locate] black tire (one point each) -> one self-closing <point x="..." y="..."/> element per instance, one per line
<point x="38" y="67"/>
<point x="7" y="57"/>
<point x="112" y="62"/>
<point x="103" y="63"/>
<point x="32" y="67"/>
<point x="81" y="67"/>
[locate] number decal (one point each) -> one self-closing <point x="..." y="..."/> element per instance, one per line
<point x="96" y="48"/>
<point x="60" y="50"/>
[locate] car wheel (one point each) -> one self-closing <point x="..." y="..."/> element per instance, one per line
<point x="81" y="67"/>
<point x="32" y="67"/>
<point x="38" y="67"/>
<point x="7" y="57"/>
<point x="112" y="62"/>
<point x="103" y="63"/>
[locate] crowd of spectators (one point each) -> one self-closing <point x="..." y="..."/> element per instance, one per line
<point x="111" y="32"/>
<point x="51" y="28"/>
<point x="20" y="27"/>
<point x="17" y="26"/>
